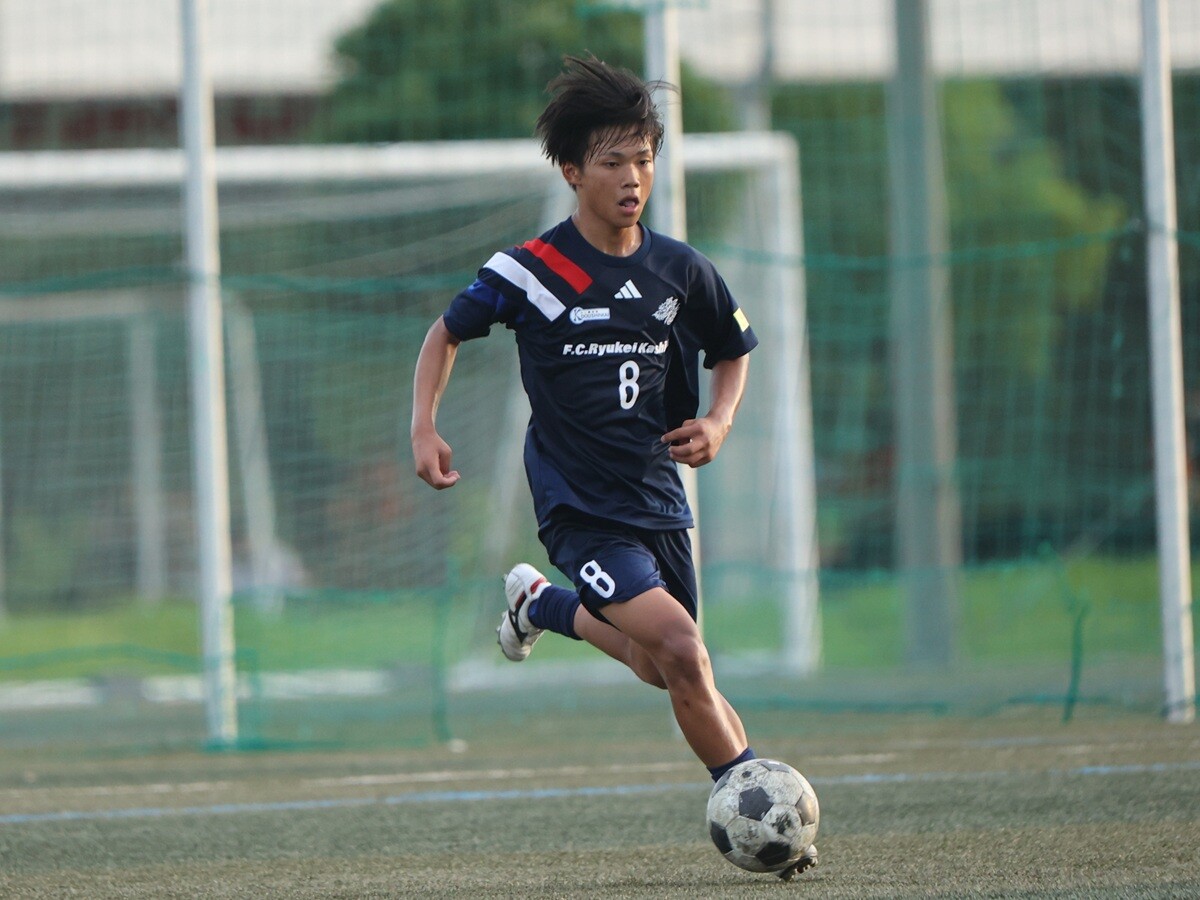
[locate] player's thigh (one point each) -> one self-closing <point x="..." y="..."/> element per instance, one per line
<point x="619" y="646"/>
<point x="658" y="623"/>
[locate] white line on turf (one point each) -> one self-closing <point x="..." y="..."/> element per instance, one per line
<point x="500" y="774"/>
<point x="147" y="812"/>
<point x="391" y="778"/>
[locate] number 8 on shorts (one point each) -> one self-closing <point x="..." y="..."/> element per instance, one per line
<point x="599" y="580"/>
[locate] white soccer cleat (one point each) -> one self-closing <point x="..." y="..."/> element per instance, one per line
<point x="516" y="635"/>
<point x="803" y="864"/>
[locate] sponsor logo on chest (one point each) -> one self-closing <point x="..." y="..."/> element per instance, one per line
<point x="614" y="348"/>
<point x="667" y="310"/>
<point x="581" y="314"/>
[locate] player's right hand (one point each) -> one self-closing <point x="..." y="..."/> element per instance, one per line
<point x="432" y="457"/>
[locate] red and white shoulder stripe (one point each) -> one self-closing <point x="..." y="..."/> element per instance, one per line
<point x="519" y="276"/>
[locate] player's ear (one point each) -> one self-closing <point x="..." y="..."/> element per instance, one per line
<point x="572" y="174"/>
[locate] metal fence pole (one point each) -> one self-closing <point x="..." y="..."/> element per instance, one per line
<point x="1166" y="361"/>
<point x="209" y="439"/>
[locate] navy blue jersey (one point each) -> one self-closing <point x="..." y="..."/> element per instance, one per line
<point x="609" y="349"/>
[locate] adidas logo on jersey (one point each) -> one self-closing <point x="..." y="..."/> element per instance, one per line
<point x="628" y="291"/>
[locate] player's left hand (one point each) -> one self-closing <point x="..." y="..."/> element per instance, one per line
<point x="695" y="443"/>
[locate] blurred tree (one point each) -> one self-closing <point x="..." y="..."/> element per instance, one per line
<point x="462" y="69"/>
<point x="1008" y="187"/>
<point x="1006" y="184"/>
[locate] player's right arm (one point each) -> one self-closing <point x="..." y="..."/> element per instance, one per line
<point x="431" y="454"/>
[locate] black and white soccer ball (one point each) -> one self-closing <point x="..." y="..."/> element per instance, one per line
<point x="763" y="815"/>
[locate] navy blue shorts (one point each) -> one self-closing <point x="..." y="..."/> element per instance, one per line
<point x="610" y="563"/>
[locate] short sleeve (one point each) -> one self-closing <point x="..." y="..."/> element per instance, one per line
<point x="476" y="309"/>
<point x="722" y="327"/>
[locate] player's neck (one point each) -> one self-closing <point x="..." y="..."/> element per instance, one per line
<point x="607" y="238"/>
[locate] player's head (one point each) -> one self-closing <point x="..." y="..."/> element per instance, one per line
<point x="594" y="105"/>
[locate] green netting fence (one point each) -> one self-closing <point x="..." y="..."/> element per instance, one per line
<point x="367" y="616"/>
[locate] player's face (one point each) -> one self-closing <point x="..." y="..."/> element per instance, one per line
<point x="613" y="185"/>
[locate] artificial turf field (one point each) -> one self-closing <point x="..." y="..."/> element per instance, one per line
<point x="1011" y="805"/>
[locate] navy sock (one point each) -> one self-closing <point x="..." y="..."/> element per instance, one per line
<point x="718" y="771"/>
<point x="554" y="610"/>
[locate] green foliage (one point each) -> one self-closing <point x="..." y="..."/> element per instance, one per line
<point x="1031" y="248"/>
<point x="1007" y="190"/>
<point x="1048" y="238"/>
<point x="465" y="69"/>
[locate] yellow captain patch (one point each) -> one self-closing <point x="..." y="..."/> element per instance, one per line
<point x="740" y="318"/>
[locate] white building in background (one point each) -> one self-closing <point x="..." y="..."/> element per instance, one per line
<point x="52" y="49"/>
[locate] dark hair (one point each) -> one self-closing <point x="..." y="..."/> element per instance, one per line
<point x="593" y="102"/>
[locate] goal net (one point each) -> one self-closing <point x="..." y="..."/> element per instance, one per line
<point x="360" y="594"/>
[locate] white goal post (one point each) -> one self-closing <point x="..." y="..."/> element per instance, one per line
<point x="770" y="158"/>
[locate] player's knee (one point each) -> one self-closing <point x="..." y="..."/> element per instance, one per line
<point x="645" y="668"/>
<point x="650" y="674"/>
<point x="683" y="658"/>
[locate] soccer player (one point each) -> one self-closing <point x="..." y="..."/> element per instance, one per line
<point x="611" y="320"/>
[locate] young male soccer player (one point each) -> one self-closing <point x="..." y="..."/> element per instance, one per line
<point x="610" y="320"/>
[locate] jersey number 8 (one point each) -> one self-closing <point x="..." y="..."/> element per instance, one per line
<point x="628" y="385"/>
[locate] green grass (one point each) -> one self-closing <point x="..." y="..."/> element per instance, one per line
<point x="59" y="645"/>
<point x="1017" y="612"/>
<point x="372" y="633"/>
<point x="1012" y="613"/>
<point x="333" y="631"/>
<point x="1029" y="611"/>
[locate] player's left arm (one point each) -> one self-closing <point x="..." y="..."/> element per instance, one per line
<point x="697" y="441"/>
